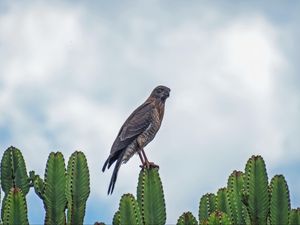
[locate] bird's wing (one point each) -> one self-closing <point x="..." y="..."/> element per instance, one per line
<point x="136" y="123"/>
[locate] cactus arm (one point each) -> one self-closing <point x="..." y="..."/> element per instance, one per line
<point x="150" y="197"/>
<point x="221" y="200"/>
<point x="116" y="218"/>
<point x="256" y="193"/>
<point x="187" y="218"/>
<point x="13" y="171"/>
<point x="129" y="211"/>
<point x="280" y="201"/>
<point x="207" y="206"/>
<point x="294" y="218"/>
<point x="53" y="189"/>
<point x="39" y="186"/>
<point x="15" y="208"/>
<point x="218" y="218"/>
<point x="236" y="208"/>
<point x="77" y="188"/>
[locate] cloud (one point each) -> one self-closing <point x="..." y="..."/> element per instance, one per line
<point x="71" y="76"/>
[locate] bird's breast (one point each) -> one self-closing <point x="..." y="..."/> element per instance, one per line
<point x="148" y="135"/>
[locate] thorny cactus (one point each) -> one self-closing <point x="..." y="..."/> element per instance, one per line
<point x="130" y="213"/>
<point x="15" y="208"/>
<point x="150" y="197"/>
<point x="247" y="199"/>
<point x="187" y="218"/>
<point x="207" y="205"/>
<point x="280" y="201"/>
<point x="255" y="190"/>
<point x="51" y="190"/>
<point x="77" y="188"/>
<point x="236" y="209"/>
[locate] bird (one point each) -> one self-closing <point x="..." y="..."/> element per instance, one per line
<point x="138" y="130"/>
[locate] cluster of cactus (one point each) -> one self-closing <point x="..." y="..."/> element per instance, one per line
<point x="248" y="198"/>
<point x="61" y="189"/>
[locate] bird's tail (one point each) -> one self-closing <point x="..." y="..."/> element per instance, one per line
<point x="115" y="174"/>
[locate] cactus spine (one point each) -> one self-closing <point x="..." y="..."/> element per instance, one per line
<point x="150" y="197"/>
<point x="116" y="218"/>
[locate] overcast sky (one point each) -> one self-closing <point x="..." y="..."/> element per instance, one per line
<point x="71" y="73"/>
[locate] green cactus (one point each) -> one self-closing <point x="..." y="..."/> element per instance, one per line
<point x="15" y="208"/>
<point x="52" y="190"/>
<point x="150" y="197"/>
<point x="218" y="218"/>
<point x="129" y="211"/>
<point x="38" y="184"/>
<point x="187" y="218"/>
<point x="221" y="200"/>
<point x="255" y="190"/>
<point x="207" y="206"/>
<point x="280" y="201"/>
<point x="116" y="218"/>
<point x="13" y="171"/>
<point x="77" y="188"/>
<point x="294" y="218"/>
<point x="236" y="209"/>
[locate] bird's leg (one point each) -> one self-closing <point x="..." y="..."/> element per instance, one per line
<point x="141" y="158"/>
<point x="147" y="163"/>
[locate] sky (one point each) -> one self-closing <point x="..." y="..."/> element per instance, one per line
<point x="71" y="72"/>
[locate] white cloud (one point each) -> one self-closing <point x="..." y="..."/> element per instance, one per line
<point x="84" y="76"/>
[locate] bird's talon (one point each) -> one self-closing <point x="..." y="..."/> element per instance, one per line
<point x="153" y="165"/>
<point x="149" y="165"/>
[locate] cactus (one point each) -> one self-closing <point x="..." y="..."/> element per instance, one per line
<point x="255" y="190"/>
<point x="221" y="200"/>
<point x="247" y="199"/>
<point x="187" y="218"/>
<point x="280" y="201"/>
<point x="218" y="218"/>
<point x="207" y="206"/>
<point x="294" y="218"/>
<point x="150" y="197"/>
<point x="77" y="188"/>
<point x="13" y="171"/>
<point x="15" y="208"/>
<point x="116" y="218"/>
<point x="236" y="209"/>
<point x="129" y="211"/>
<point x="52" y="190"/>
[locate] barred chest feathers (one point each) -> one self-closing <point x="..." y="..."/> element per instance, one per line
<point x="148" y="135"/>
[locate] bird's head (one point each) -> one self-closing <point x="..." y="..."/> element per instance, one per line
<point x="161" y="92"/>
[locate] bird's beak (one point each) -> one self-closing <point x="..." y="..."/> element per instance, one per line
<point x="166" y="95"/>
